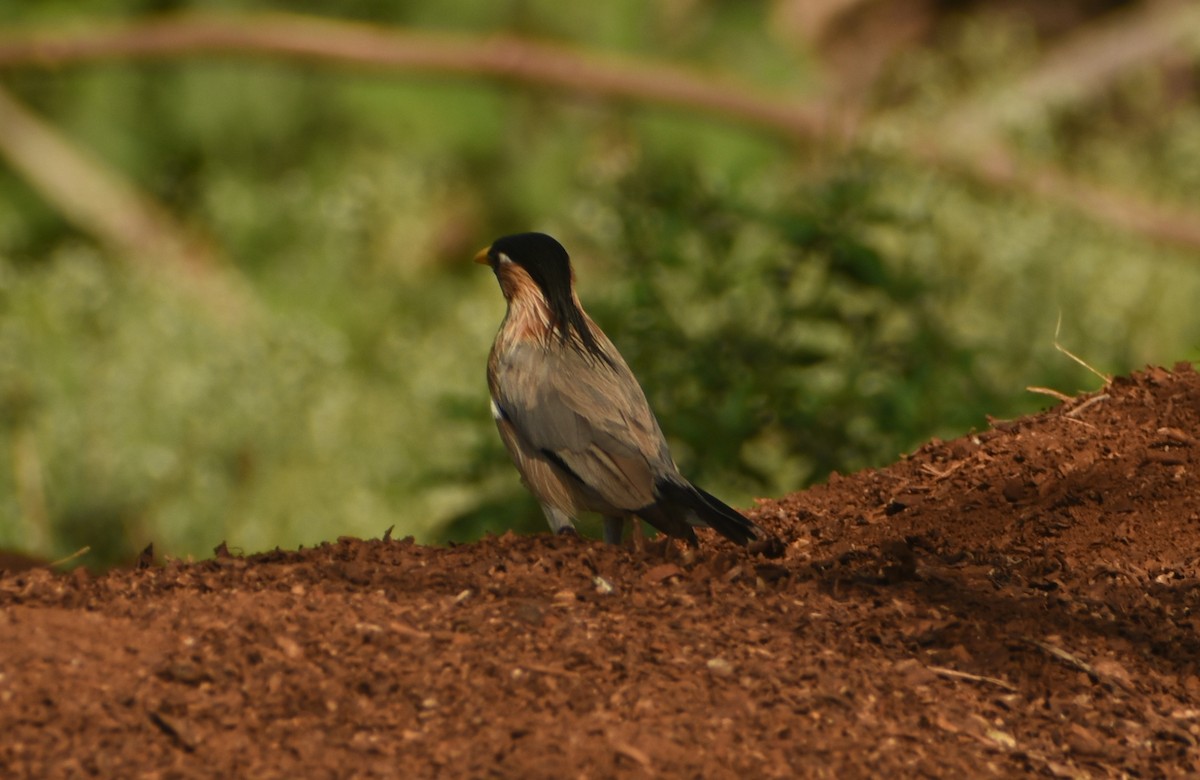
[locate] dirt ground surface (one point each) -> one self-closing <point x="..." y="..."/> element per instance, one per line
<point x="1019" y="602"/>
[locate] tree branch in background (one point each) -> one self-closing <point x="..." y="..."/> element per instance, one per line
<point x="1078" y="69"/>
<point x="369" y="46"/>
<point x="999" y="169"/>
<point x="89" y="194"/>
<point x="537" y="64"/>
<point x="100" y="202"/>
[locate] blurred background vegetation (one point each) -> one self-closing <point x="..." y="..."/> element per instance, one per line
<point x="237" y="302"/>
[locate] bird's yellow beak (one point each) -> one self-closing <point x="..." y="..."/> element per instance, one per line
<point x="482" y="256"/>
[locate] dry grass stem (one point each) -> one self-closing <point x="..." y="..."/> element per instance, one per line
<point x="77" y="554"/>
<point x="1057" y="327"/>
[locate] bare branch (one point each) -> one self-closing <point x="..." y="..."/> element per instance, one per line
<point x="88" y="193"/>
<point x="1079" y="68"/>
<point x="365" y="45"/>
<point x="576" y="72"/>
<point x="997" y="168"/>
<point x="99" y="201"/>
<point x="954" y="674"/>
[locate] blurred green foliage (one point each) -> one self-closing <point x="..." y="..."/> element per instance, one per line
<point x="789" y="312"/>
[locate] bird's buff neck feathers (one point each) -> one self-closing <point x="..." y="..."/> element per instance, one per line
<point x="533" y="314"/>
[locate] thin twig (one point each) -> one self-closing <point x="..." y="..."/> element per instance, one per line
<point x="1093" y="400"/>
<point x="938" y="476"/>
<point x="1178" y="436"/>
<point x="549" y="670"/>
<point x="954" y="673"/>
<point x="1062" y="655"/>
<point x="1048" y="391"/>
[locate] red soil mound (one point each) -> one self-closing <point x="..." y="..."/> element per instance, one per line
<point x="1022" y="601"/>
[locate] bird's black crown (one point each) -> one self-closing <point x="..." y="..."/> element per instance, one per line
<point x="542" y="257"/>
<point x="549" y="265"/>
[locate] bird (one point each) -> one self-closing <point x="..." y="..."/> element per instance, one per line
<point x="573" y="416"/>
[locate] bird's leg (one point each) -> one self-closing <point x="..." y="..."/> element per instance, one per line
<point x="560" y="521"/>
<point x="639" y="538"/>
<point x="613" y="528"/>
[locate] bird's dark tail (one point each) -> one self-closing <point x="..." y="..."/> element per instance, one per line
<point x="681" y="505"/>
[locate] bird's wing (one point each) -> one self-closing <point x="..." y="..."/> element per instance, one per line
<point x="589" y="417"/>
